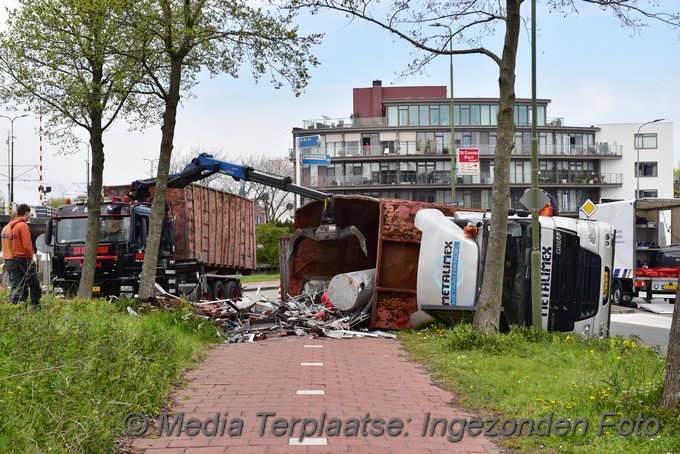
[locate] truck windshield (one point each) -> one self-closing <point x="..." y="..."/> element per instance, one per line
<point x="111" y="229"/>
<point x="575" y="279"/>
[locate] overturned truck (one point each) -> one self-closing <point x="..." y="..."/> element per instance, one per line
<point x="393" y="250"/>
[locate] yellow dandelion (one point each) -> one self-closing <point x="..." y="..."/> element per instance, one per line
<point x="592" y="397"/>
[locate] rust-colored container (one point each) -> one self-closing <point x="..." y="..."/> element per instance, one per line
<point x="213" y="226"/>
<point x="393" y="245"/>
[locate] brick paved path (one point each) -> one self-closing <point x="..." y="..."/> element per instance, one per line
<point x="303" y="378"/>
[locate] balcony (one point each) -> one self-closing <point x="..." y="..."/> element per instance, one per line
<point x="334" y="123"/>
<point x="443" y="179"/>
<point x="390" y="150"/>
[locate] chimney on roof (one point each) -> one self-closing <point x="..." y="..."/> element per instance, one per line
<point x="377" y="83"/>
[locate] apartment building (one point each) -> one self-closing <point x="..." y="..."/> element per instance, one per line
<point x="396" y="144"/>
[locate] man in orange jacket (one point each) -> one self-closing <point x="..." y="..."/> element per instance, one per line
<point x="7" y="236"/>
<point x="24" y="267"/>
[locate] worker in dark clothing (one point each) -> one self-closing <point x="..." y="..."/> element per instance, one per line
<point x="23" y="264"/>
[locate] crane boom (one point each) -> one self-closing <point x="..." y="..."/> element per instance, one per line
<point x="205" y="165"/>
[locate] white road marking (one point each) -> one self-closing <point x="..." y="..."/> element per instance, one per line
<point x="307" y="442"/>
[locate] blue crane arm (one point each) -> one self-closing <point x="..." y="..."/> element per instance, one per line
<point x="205" y="165"/>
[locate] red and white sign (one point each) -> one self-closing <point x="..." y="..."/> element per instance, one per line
<point x="468" y="161"/>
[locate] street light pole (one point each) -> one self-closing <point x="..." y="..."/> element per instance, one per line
<point x="151" y="161"/>
<point x="11" y="160"/>
<point x="87" y="170"/>
<point x="637" y="149"/>
<point x="452" y="148"/>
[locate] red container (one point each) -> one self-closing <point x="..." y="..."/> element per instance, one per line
<point x="213" y="226"/>
<point x="393" y="245"/>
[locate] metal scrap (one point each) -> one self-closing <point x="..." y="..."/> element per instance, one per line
<point x="309" y="314"/>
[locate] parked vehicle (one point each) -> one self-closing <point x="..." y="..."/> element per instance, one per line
<point x="576" y="260"/>
<point x="208" y="235"/>
<point x="646" y="258"/>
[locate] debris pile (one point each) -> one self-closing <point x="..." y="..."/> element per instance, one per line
<point x="310" y="313"/>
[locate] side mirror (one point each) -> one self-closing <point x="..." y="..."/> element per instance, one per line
<point x="48" y="232"/>
<point x="143" y="231"/>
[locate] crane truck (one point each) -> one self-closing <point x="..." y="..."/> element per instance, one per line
<point x="208" y="236"/>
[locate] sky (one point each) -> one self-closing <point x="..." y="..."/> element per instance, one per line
<point x="593" y="71"/>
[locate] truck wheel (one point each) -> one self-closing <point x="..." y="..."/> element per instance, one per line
<point x="617" y="294"/>
<point x="217" y="290"/>
<point x="232" y="291"/>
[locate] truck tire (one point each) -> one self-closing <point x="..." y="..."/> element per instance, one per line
<point x="232" y="291"/>
<point x="217" y="290"/>
<point x="617" y="293"/>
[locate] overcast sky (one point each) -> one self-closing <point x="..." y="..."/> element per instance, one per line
<point x="594" y="71"/>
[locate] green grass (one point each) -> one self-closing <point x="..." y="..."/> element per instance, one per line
<point x="71" y="371"/>
<point x="260" y="278"/>
<point x="532" y="374"/>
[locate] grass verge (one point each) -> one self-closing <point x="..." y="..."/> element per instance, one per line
<point x="72" y="370"/>
<point x="260" y="278"/>
<point x="534" y="374"/>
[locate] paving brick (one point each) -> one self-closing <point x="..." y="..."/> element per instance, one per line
<point x="359" y="377"/>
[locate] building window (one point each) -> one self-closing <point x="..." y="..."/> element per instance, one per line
<point x="645" y="141"/>
<point x="425" y="197"/>
<point x="392" y="116"/>
<point x="434" y="115"/>
<point x="485" y="115"/>
<point x="521" y="115"/>
<point x="474" y="115"/>
<point x="413" y="116"/>
<point x="646" y="169"/>
<point x="464" y="118"/>
<point x="445" y="113"/>
<point x="407" y="147"/>
<point x="403" y="116"/>
<point x="653" y="193"/>
<point x="424" y="116"/>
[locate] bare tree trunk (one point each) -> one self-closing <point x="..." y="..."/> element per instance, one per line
<point x="490" y="299"/>
<point x="94" y="197"/>
<point x="148" y="277"/>
<point x="671" y="387"/>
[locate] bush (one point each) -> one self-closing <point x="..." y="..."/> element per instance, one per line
<point x="268" y="242"/>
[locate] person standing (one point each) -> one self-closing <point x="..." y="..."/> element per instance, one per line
<point x="23" y="265"/>
<point x="7" y="236"/>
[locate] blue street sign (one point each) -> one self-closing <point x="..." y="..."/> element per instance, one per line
<point x="315" y="159"/>
<point x="309" y="141"/>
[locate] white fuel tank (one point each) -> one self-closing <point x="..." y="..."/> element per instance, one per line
<point x="448" y="262"/>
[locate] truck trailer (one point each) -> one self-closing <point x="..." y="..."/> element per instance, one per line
<point x="208" y="239"/>
<point x="647" y="250"/>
